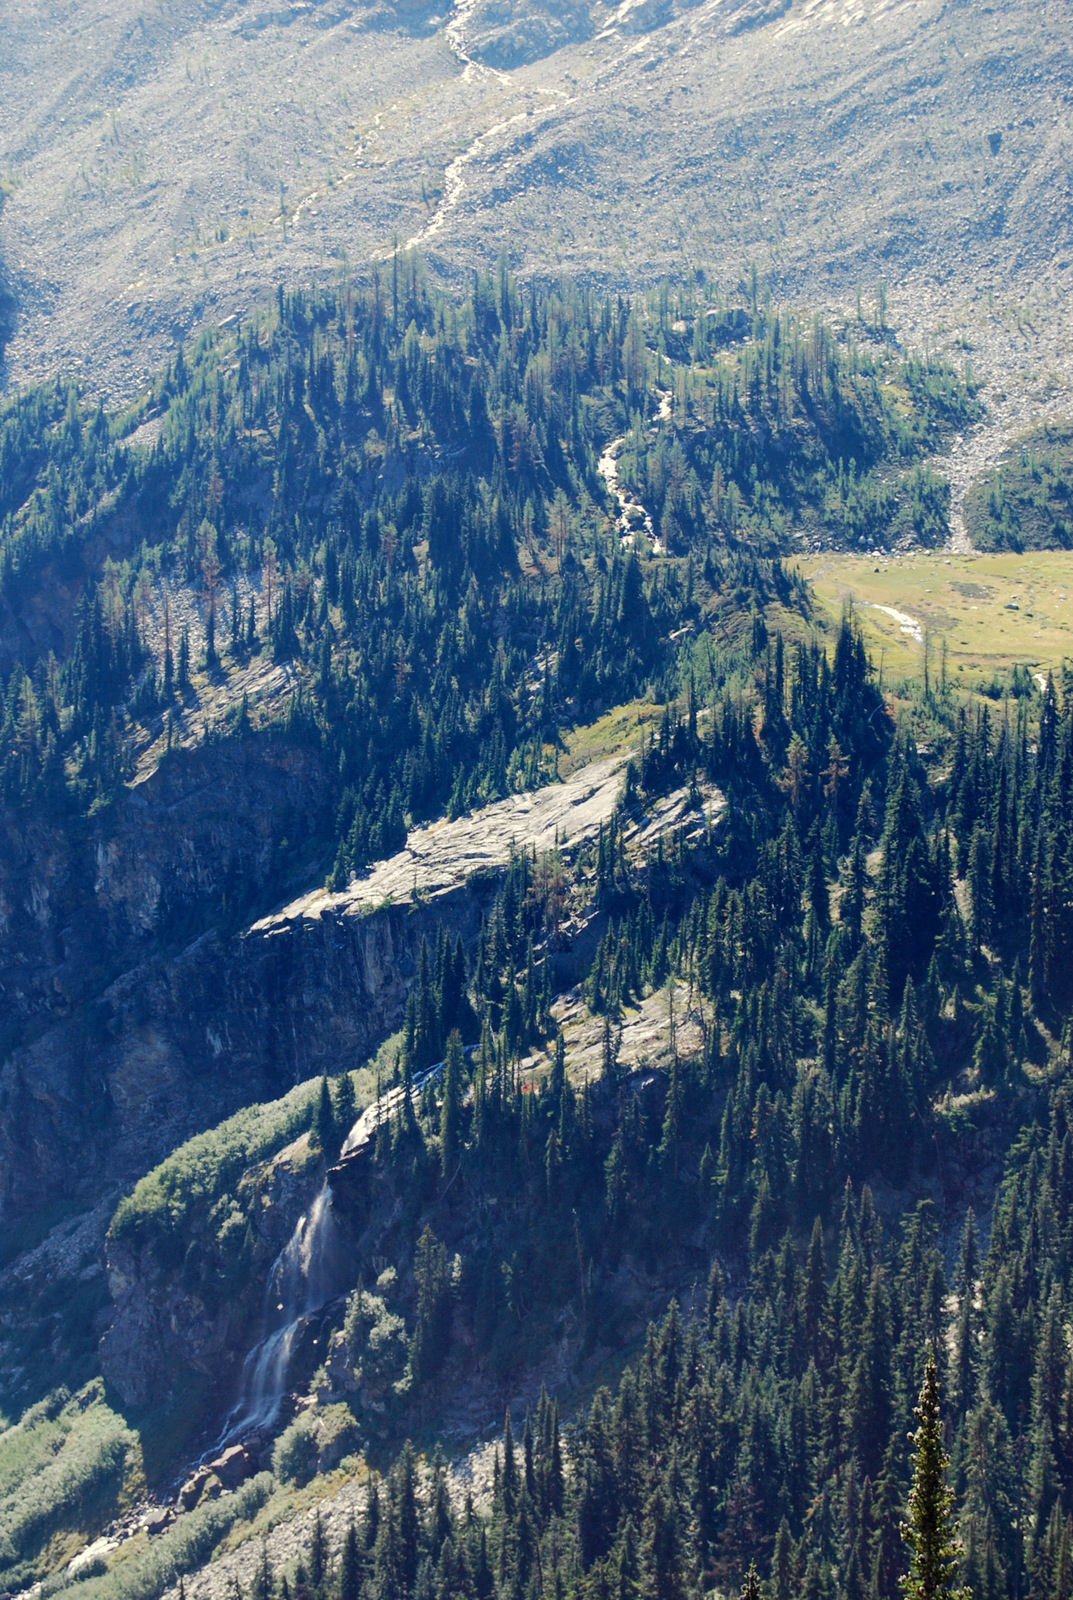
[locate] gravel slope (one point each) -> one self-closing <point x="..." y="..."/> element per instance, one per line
<point x="170" y="163"/>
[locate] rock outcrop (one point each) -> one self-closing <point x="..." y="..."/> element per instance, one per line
<point x="161" y="1324"/>
<point x="511" y="33"/>
<point x="312" y="988"/>
<point x="120" y="1074"/>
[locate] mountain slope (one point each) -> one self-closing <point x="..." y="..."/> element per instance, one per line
<point x="171" y="168"/>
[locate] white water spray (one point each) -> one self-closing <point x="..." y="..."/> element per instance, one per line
<point x="607" y="467"/>
<point x="304" y="1275"/>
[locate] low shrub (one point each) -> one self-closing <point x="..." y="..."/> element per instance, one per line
<point x="146" y="1573"/>
<point x="206" y="1167"/>
<point x="68" y="1464"/>
<point x="314" y="1442"/>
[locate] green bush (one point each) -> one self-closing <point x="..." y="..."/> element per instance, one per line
<point x="147" y="1573"/>
<point x="294" y="1459"/>
<point x="66" y="1464"/>
<point x="198" y="1177"/>
<point x="314" y="1442"/>
<point x="377" y="1343"/>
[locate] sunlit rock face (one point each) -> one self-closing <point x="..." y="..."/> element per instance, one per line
<point x="129" y="1044"/>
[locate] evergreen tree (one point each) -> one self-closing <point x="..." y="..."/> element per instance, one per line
<point x="451" y="1109"/>
<point x="930" y="1532"/>
<point x="325" y="1130"/>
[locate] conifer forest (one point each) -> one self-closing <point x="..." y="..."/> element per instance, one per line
<point x="776" y="1302"/>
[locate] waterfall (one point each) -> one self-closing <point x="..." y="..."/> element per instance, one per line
<point x="304" y="1275"/>
<point x="385" y="1107"/>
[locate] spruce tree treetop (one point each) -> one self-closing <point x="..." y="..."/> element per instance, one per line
<point x="930" y="1533"/>
<point x="750" y="1589"/>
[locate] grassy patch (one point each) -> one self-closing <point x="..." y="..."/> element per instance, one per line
<point x="144" y="1571"/>
<point x="616" y="733"/>
<point x="995" y="610"/>
<point x="288" y="1502"/>
<point x="207" y="1166"/>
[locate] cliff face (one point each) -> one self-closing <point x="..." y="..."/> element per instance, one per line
<point x="125" y="1045"/>
<point x="189" y="1041"/>
<point x="89" y="910"/>
<point x="311" y="988"/>
<point x="161" y="1326"/>
<point x="81" y="899"/>
<point x="179" y="1042"/>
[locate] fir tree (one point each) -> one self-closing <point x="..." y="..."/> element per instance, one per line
<point x="451" y="1108"/>
<point x="930" y="1533"/>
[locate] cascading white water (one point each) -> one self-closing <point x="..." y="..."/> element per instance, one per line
<point x="304" y="1275"/>
<point x="383" y="1109"/>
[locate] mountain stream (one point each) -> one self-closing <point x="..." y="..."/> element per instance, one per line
<point x="632" y="517"/>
